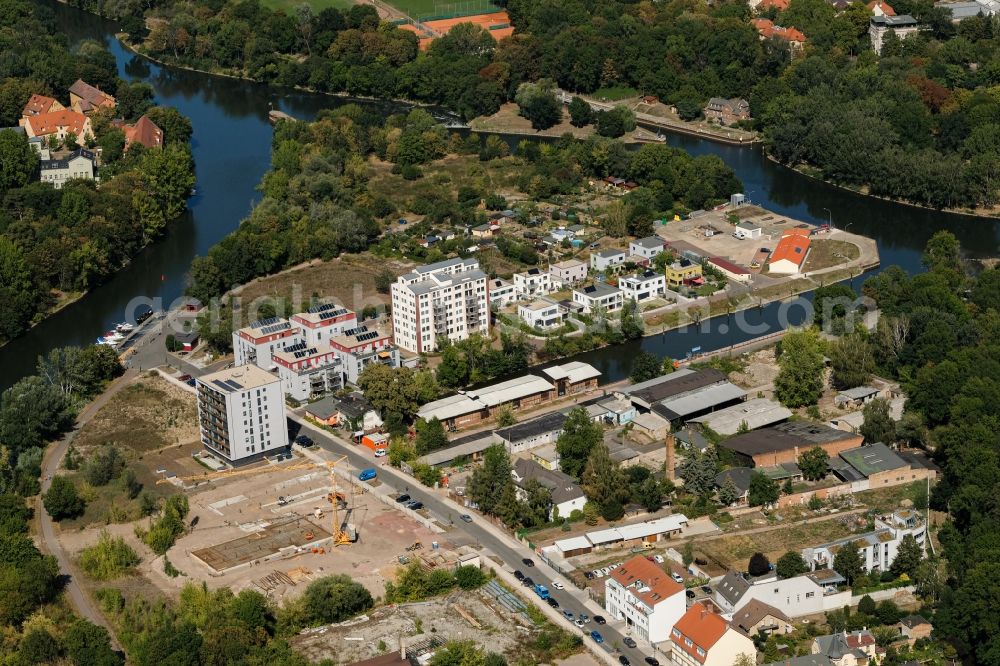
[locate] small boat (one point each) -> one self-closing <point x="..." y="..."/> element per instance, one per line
<point x="114" y="336"/>
<point x="105" y="341"/>
<point x="274" y="116"/>
<point x="124" y="327"/>
<point x="144" y="315"/>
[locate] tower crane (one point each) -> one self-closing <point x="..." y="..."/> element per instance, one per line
<point x="340" y="535"/>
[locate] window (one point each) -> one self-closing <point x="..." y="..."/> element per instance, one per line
<point x="701" y="653"/>
<point x="688" y="642"/>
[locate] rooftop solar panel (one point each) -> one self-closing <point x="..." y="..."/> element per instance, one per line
<point x="264" y="322"/>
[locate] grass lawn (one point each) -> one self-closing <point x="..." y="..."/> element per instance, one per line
<point x="734" y="551"/>
<point x="615" y="93"/>
<point x="317" y="5"/>
<point x="825" y="253"/>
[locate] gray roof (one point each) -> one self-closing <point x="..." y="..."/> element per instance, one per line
<point x="858" y="392"/>
<point x="650" y="242"/>
<point x="901" y="21"/>
<point x="873" y="458"/>
<point x="612" y="252"/>
<point x="740" y="475"/>
<point x="783" y="437"/>
<point x="447" y="263"/>
<point x="837" y="645"/>
<point x="756" y="413"/>
<point x="756" y="610"/>
<point x="699" y="400"/>
<point x="562" y="486"/>
<point x="64" y="162"/>
<point x="675" y="384"/>
<point x="732" y="587"/>
<point x="324" y="408"/>
<point x="428" y="286"/>
<point x="466" y="446"/>
<point x="550" y="422"/>
<point x="806" y="660"/>
<point x="598" y="289"/>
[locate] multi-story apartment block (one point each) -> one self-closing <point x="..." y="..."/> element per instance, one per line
<point x="324" y="321"/>
<point x="599" y="295"/>
<point x="359" y="347"/>
<point x="643" y="286"/>
<point x="877" y="548"/>
<point x="241" y="412"/>
<point x="532" y="283"/>
<point x="309" y="371"/>
<point x="646" y="597"/>
<point x="446" y="300"/>
<point x="704" y="638"/>
<point x="258" y="342"/>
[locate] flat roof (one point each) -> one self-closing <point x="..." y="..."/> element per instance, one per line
<point x="700" y="399"/>
<point x="674" y="384"/>
<point x="597" y="290"/>
<point x="468" y="447"/>
<point x="873" y="458"/>
<point x="858" y="392"/>
<point x="488" y="396"/>
<point x="756" y="413"/>
<point x="669" y="523"/>
<point x="610" y="252"/>
<point x="323" y="312"/>
<point x="783" y="437"/>
<point x="727" y="265"/>
<point x="269" y="326"/>
<point x="650" y="421"/>
<point x="569" y="263"/>
<point x="649" y="242"/>
<point x="577" y="371"/>
<point x="239" y="378"/>
<point x="573" y="543"/>
<point x="539" y="304"/>
<point x="538" y="426"/>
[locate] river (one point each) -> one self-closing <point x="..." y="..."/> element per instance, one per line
<point x="231" y="146"/>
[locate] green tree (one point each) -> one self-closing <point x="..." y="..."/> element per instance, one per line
<point x="426" y="474"/>
<point x="790" y="565"/>
<point x="699" y="470"/>
<point x="615" y="122"/>
<point x="89" y="645"/>
<point x="602" y="482"/>
<point x="453" y="370"/>
<point x="878" y="425"/>
<point x="800" y="378"/>
<point x="758" y="565"/>
<point x="506" y="417"/>
<point x="18" y="160"/>
<point x="401" y="450"/>
<point x="763" y="490"/>
<point x="814" y="463"/>
<point x="336" y="598"/>
<point x="847" y="562"/>
<point x="469" y="577"/>
<point x="32" y="412"/>
<point x="908" y="557"/>
<point x="580" y="112"/>
<point x="650" y="494"/>
<point x="19" y="297"/>
<point x="728" y="492"/>
<point x="62" y="500"/>
<point x="538" y="103"/>
<point x="867" y="606"/>
<point x="645" y="366"/>
<point x="430" y="436"/>
<point x="486" y="486"/>
<point x="687" y="555"/>
<point x="853" y="361"/>
<point x="579" y="436"/>
<point x="14" y="514"/>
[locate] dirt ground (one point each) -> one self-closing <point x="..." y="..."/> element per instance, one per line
<point x="760" y="371"/>
<point x="358" y="640"/>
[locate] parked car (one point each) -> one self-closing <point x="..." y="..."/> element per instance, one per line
<point x="552" y="602"/>
<point x="589" y="575"/>
<point x="676" y="577"/>
<point x="568" y="614"/>
<point x="584" y="618"/>
<point x="304" y="440"/>
<point x="614" y="566"/>
<point x="623" y="660"/>
<point x="527" y="582"/>
<point x="706" y="589"/>
<point x="599" y="619"/>
<point x="559" y="586"/>
<point x="528" y="562"/>
<point x="597" y="637"/>
<point x="402" y="499"/>
<point x="415" y="505"/>
<point x="597" y="573"/>
<point x="628" y="641"/>
<point x="184" y="378"/>
<point x="659" y="559"/>
<point x="652" y="661"/>
<point x="466" y="518"/>
<point x="690" y="594"/>
<point x="381" y="453"/>
<point x="518" y="575"/>
<point x="191" y="382"/>
<point x="578" y="623"/>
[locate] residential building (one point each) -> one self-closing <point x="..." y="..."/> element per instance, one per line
<point x="602" y="260"/>
<point x="540" y="431"/>
<point x="646" y="248"/>
<point x="360" y="347"/>
<point x="740" y="478"/>
<point x="805" y="660"/>
<point x="323" y="322"/>
<point x="599" y="295"/>
<point x="478" y="405"/>
<point x="446" y="300"/>
<point x="567" y="497"/>
<point x="877" y="466"/>
<point x="642" y="287"/>
<point x="757" y="617"/>
<point x="642" y="594"/>
<point x="541" y="313"/>
<point x="258" y="342"/>
<point x="85" y="98"/>
<point x="702" y="637"/>
<point x="809" y="594"/>
<point x="502" y="292"/>
<point x="728" y="111"/>
<point x="308" y="371"/>
<point x="352" y="412"/>
<point x="766" y="29"/>
<point x="572" y="378"/>
<point x="144" y="132"/>
<point x="38" y="104"/>
<point x="902" y="26"/>
<point x="532" y="283"/>
<point x="786" y="441"/>
<point x="914" y="627"/>
<point x="241" y="414"/>
<point x="680" y="272"/>
<point x="486" y="231"/>
<point x="569" y="272"/>
<point x="756" y="413"/>
<point x="547" y="456"/>
<point x="856" y="648"/>
<point x="59" y="124"/>
<point x="81" y="164"/>
<point x="880" y="8"/>
<point x="877" y="548"/>
<point x="732" y="271"/>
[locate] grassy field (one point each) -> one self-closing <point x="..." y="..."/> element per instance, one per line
<point x="824" y="253"/>
<point x="317" y="5"/>
<point x="615" y="93"/>
<point x="427" y="8"/>
<point x="734" y="551"/>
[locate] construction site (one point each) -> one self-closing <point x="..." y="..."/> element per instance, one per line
<point x="274" y="528"/>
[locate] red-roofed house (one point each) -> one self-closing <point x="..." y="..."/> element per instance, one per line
<point x="40" y="104"/>
<point x="85" y="98"/>
<point x="703" y="638"/>
<point x="789" y="255"/>
<point x="58" y="123"/>
<point x="646" y="597"/>
<point x="879" y="8"/>
<point x="144" y="131"/>
<point x="780" y="5"/>
<point x="766" y="28"/>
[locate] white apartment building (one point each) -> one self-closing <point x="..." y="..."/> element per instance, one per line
<point x="702" y="637"/>
<point x="532" y="283"/>
<point x="324" y="321"/>
<point x="877" y="548"/>
<point x="241" y="413"/>
<point x="642" y="594"/>
<point x="647" y="248"/>
<point x="449" y="299"/>
<point x="605" y="259"/>
<point x="501" y="292"/>
<point x="643" y="286"/>
<point x="258" y="342"/>
<point x="569" y="272"/>
<point x="599" y="295"/>
<point x="808" y="594"/>
<point x="80" y="164"/>
<point x="359" y="347"/>
<point x="541" y="313"/>
<point x="309" y="371"/>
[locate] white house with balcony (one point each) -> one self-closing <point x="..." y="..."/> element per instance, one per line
<point x="647" y="248"/>
<point x="605" y="259"/>
<point x="642" y="594"/>
<point x="542" y="313"/>
<point x="643" y="286"/>
<point x="599" y="295"/>
<point x="532" y="283"/>
<point x="877" y="548"/>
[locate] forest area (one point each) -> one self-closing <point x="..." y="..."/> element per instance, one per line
<point x="919" y="123"/>
<point x="58" y="243"/>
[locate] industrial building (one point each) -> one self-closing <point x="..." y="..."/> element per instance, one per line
<point x="784" y="443"/>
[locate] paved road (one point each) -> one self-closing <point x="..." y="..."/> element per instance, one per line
<point x="503" y="546"/>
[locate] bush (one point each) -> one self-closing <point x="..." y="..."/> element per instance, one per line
<point x="62" y="500"/>
<point x="335" y="598"/>
<point x="469" y="577"/>
<point x="103" y="466"/>
<point x="164" y="532"/>
<point x="109" y="558"/>
<point x="410" y="172"/>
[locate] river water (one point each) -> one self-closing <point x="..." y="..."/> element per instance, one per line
<point x="231" y="146"/>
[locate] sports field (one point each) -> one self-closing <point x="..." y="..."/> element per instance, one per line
<point x="430" y="9"/>
<point x="317" y="5"/>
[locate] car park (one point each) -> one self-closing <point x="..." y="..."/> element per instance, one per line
<point x="628" y="641"/>
<point x="466" y="518"/>
<point x="597" y="637"/>
<point x="599" y="619"/>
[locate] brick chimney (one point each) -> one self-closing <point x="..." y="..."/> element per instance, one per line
<point x="671" y="444"/>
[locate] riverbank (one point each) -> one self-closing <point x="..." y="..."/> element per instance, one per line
<point x="509" y="121"/>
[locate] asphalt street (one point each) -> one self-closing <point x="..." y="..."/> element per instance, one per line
<point x="504" y="547"/>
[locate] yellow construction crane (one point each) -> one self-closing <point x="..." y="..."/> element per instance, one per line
<point x="340" y="535"/>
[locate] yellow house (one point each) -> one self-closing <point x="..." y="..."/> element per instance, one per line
<point x="679" y="271"/>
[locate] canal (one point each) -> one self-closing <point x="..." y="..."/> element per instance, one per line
<point x="231" y="146"/>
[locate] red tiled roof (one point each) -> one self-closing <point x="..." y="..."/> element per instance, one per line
<point x="793" y="247"/>
<point x="49" y="123"/>
<point x="884" y="6"/>
<point x="91" y="97"/>
<point x="657" y="585"/>
<point x="703" y="626"/>
<point x="766" y="28"/>
<point x="38" y="104"/>
<point x="777" y="4"/>
<point x="144" y="131"/>
<point x="728" y="265"/>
